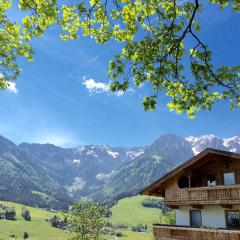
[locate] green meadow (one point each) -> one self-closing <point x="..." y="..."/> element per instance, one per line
<point x="38" y="228"/>
<point x="128" y="211"/>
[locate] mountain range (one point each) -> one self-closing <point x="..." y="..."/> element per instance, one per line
<point x="45" y="175"/>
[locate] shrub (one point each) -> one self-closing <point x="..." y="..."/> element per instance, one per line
<point x="119" y="234"/>
<point x="12" y="235"/>
<point x="139" y="228"/>
<point x="25" y="235"/>
<point x="107" y="213"/>
<point x="153" y="203"/>
<point x="54" y="221"/>
<point x="26" y="214"/>
<point x="170" y="218"/>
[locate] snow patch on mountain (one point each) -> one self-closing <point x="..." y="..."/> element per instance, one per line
<point x="103" y="176"/>
<point x="229" y="141"/>
<point x="200" y="139"/>
<point x="92" y="153"/>
<point x="103" y="147"/>
<point x="200" y="143"/>
<point x="113" y="154"/>
<point x="79" y="150"/>
<point x="195" y="151"/>
<point x="134" y="154"/>
<point x="76" y="161"/>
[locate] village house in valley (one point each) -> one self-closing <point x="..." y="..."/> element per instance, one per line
<point x="205" y="193"/>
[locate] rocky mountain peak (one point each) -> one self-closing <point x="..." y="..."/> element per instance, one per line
<point x="98" y="171"/>
<point x="200" y="143"/>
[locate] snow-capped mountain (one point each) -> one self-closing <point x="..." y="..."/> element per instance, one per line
<point x="231" y="144"/>
<point x="54" y="176"/>
<point x="167" y="152"/>
<point x="60" y="175"/>
<point x="161" y="156"/>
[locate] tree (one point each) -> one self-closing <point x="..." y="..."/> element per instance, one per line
<point x="55" y="221"/>
<point x="25" y="235"/>
<point x="153" y="34"/>
<point x="86" y="221"/>
<point x="26" y="214"/>
<point x="170" y="218"/>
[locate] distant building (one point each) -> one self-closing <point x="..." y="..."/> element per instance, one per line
<point x="2" y="215"/>
<point x="205" y="192"/>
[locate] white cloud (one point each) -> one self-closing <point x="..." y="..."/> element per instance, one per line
<point x="95" y="87"/>
<point x="11" y="86"/>
<point x="119" y="93"/>
<point x="62" y="140"/>
<point x="100" y="87"/>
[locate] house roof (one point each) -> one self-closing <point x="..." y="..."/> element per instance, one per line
<point x="190" y="162"/>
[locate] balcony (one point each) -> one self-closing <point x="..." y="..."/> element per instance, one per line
<point x="224" y="195"/>
<point x="168" y="232"/>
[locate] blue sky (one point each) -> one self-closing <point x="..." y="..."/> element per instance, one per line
<point x="62" y="96"/>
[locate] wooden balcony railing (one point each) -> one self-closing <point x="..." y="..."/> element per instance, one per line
<point x="167" y="232"/>
<point x="203" y="195"/>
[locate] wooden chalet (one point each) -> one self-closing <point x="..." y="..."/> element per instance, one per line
<point x="205" y="193"/>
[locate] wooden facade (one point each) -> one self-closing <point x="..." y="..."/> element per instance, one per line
<point x="209" y="164"/>
<point x="208" y="185"/>
<point x="165" y="232"/>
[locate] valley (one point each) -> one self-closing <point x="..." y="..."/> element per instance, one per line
<point x="128" y="211"/>
<point x="55" y="177"/>
<point x="50" y="177"/>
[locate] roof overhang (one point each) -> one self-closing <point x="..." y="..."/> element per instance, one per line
<point x="157" y="188"/>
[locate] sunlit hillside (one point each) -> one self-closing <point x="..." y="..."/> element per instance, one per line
<point x="128" y="211"/>
<point x="38" y="228"/>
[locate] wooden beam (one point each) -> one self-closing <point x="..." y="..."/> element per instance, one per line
<point x="173" y="206"/>
<point x="227" y="206"/>
<point x="153" y="193"/>
<point x="198" y="206"/>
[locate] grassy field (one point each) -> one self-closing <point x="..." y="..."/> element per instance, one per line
<point x="129" y="235"/>
<point x="128" y="211"/>
<point x="38" y="228"/>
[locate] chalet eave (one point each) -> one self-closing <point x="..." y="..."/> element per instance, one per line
<point x="157" y="188"/>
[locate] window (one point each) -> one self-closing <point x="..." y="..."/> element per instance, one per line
<point x="183" y="182"/>
<point x="195" y="218"/>
<point x="232" y="219"/>
<point x="229" y="178"/>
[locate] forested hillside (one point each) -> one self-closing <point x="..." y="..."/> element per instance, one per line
<point x="45" y="175"/>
